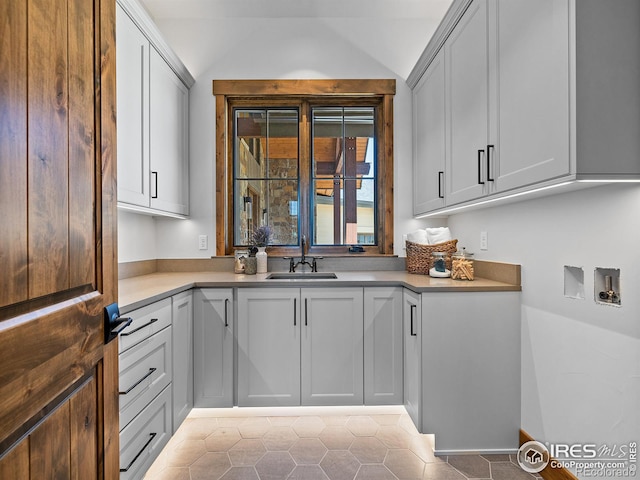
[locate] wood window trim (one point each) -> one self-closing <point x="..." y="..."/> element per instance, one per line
<point x="229" y="91"/>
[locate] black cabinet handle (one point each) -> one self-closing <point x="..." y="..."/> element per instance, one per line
<point x="153" y="320"/>
<point x="489" y="148"/>
<point x="306" y="313"/>
<point x="480" y="152"/>
<point x="440" y="181"/>
<point x="226" y="312"/>
<point x="413" y="333"/>
<point x="147" y="375"/>
<point x="295" y="310"/>
<point x="155" y="189"/>
<point x="152" y="436"/>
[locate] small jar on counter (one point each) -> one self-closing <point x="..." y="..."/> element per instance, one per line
<point x="462" y="265"/>
<point x="439" y="268"/>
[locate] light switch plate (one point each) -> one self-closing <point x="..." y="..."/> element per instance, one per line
<point x="203" y="242"/>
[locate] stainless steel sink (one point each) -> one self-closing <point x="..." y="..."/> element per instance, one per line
<point x="301" y="276"/>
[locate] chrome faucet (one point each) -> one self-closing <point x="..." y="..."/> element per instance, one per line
<point x="303" y="258"/>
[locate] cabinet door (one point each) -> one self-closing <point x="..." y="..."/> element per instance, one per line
<point x="182" y="330"/>
<point x="466" y="60"/>
<point x="168" y="137"/>
<point x="533" y="106"/>
<point x="471" y="372"/>
<point x="213" y="347"/>
<point x="332" y="346"/>
<point x="429" y="138"/>
<point x="411" y="313"/>
<point x="383" y="355"/>
<point x="268" y="346"/>
<point x="132" y="71"/>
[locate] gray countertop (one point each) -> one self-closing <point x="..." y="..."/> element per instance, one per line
<point x="138" y="291"/>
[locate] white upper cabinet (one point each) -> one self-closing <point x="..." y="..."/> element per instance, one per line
<point x="467" y="133"/>
<point x="429" y="138"/>
<point x="537" y="94"/>
<point x="533" y="93"/>
<point x="169" y="134"/>
<point x="132" y="69"/>
<point x="153" y="117"/>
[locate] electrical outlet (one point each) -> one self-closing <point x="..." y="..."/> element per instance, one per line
<point x="203" y="242"/>
<point x="484" y="241"/>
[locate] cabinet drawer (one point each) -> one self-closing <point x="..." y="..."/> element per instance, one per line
<point x="146" y="321"/>
<point x="144" y="438"/>
<point x="145" y="370"/>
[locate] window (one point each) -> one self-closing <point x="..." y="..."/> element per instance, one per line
<point x="308" y="158"/>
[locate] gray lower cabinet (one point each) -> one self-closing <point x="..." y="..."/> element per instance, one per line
<point x="145" y="385"/>
<point x="411" y="315"/>
<point x="213" y="347"/>
<point x="182" y="330"/>
<point x="268" y="346"/>
<point x="383" y="346"/>
<point x="471" y="370"/>
<point x="300" y="346"/>
<point x="332" y="347"/>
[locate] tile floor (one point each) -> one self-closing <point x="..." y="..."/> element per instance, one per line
<point x="315" y="443"/>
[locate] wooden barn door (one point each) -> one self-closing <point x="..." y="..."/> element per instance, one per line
<point x="58" y="262"/>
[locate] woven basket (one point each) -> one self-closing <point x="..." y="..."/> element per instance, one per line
<point x="419" y="256"/>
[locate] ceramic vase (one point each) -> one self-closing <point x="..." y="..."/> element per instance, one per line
<point x="261" y="258"/>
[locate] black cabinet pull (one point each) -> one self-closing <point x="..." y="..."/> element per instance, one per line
<point x="153" y="320"/>
<point x="440" y="181"/>
<point x="489" y="148"/>
<point x="152" y="436"/>
<point x="295" y="313"/>
<point x="306" y="313"/>
<point x="155" y="189"/>
<point x="147" y="375"/>
<point x="480" y="152"/>
<point x="413" y="333"/>
<point x="114" y="324"/>
<point x="226" y="312"/>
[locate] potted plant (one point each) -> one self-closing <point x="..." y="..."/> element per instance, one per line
<point x="260" y="238"/>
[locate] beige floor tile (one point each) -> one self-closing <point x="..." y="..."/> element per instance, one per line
<point x="336" y="437"/>
<point x="241" y="473"/>
<point x="362" y="426"/>
<point x="441" y="471"/>
<point x="211" y="466"/>
<point x="231" y="421"/>
<point x="308" y="451"/>
<point x="422" y="446"/>
<point x="282" y="421"/>
<point x="199" y="428"/>
<point x="275" y="466"/>
<point x="404" y="464"/>
<point x="391" y="419"/>
<point x="222" y="439"/>
<point x="374" y="472"/>
<point x="185" y="453"/>
<point x="406" y="423"/>
<point x="335" y="420"/>
<point x="340" y="465"/>
<point x="307" y="472"/>
<point x="246" y="452"/>
<point x="368" y="450"/>
<point x="394" y="437"/>
<point x="308" y="426"/>
<point x="279" y="438"/>
<point x="170" y="473"/>
<point x="473" y="466"/>
<point x="254" y="427"/>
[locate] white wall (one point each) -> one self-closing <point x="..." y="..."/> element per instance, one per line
<point x="580" y="360"/>
<point x="261" y="49"/>
<point x="136" y="237"/>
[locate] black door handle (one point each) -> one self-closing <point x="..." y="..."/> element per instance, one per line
<point x="413" y="333"/>
<point x="489" y="148"/>
<point x="114" y="324"/>
<point x="440" y="181"/>
<point x="480" y="152"/>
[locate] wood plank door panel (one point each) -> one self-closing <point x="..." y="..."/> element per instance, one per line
<point x="58" y="385"/>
